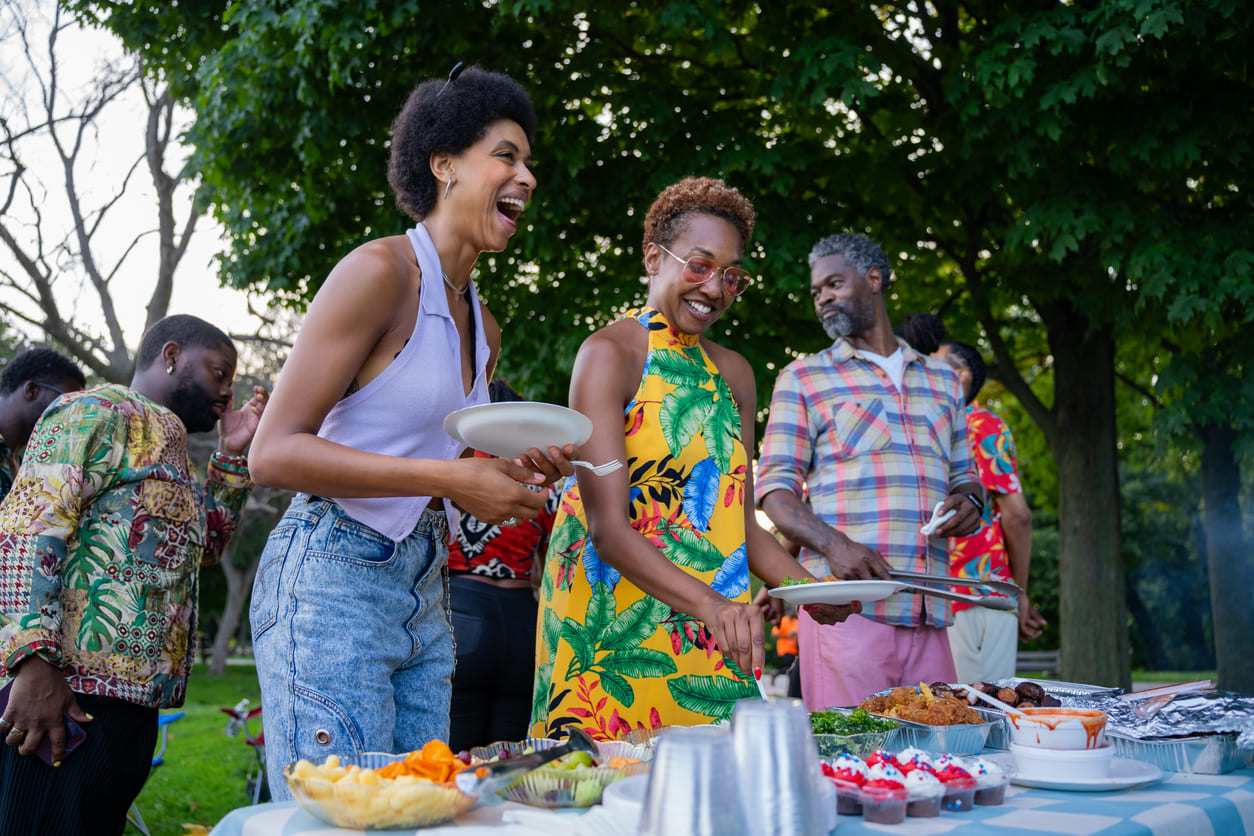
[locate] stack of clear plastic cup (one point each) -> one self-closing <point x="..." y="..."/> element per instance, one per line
<point x="781" y="781"/>
<point x="692" y="786"/>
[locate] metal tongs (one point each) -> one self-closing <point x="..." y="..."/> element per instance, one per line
<point x="913" y="581"/>
<point x="489" y="777"/>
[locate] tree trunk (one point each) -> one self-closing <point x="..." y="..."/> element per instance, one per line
<point x="238" y="582"/>
<point x="1147" y="629"/>
<point x="1230" y="563"/>
<point x="1092" y="610"/>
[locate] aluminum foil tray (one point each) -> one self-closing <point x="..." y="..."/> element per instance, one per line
<point x="955" y="740"/>
<point x="1210" y="754"/>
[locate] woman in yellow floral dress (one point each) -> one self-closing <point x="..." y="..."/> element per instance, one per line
<point x="645" y="615"/>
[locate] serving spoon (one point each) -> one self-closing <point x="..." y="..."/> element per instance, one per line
<point x="993" y="701"/>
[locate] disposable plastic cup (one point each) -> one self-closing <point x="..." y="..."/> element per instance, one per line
<point x="693" y="786"/>
<point x="781" y="782"/>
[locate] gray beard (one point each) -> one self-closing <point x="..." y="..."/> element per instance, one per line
<point x="839" y="324"/>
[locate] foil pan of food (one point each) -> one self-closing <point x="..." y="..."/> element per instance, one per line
<point x="932" y="721"/>
<point x="1212" y="754"/>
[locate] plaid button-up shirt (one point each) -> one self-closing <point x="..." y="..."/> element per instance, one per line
<point x="871" y="461"/>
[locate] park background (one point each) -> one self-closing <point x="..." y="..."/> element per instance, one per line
<point x="1066" y="184"/>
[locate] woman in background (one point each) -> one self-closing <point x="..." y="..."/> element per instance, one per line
<point x="493" y="603"/>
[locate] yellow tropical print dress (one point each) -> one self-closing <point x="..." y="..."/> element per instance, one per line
<point x="612" y="659"/>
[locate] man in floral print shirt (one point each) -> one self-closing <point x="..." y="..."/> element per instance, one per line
<point x="101" y="540"/>
<point x="984" y="642"/>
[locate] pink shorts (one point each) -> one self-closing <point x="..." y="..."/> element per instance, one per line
<point x="842" y="664"/>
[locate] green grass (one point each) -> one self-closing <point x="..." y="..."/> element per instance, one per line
<point x="1171" y="677"/>
<point x="204" y="772"/>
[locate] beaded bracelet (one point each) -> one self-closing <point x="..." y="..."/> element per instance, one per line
<point x="223" y="458"/>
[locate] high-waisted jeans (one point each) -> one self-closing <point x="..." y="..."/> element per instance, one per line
<point x="351" y="637"/>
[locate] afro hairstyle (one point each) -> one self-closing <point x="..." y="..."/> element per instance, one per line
<point x="443" y="116"/>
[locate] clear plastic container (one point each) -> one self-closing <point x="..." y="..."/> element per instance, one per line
<point x="884" y="805"/>
<point x="959" y="795"/>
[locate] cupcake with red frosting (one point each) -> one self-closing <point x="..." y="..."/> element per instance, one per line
<point x="925" y="792"/>
<point x="960" y="786"/>
<point x="911" y="759"/>
<point x="884" y="796"/>
<point x="847" y="773"/>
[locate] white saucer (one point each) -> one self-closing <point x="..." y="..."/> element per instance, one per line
<point x="1125" y="774"/>
<point x="511" y="428"/>
<point x="836" y="592"/>
<point x="626" y="795"/>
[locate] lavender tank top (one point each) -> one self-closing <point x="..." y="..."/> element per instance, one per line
<point x="401" y="412"/>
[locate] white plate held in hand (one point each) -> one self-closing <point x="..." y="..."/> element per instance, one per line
<point x="511" y="428"/>
<point x="836" y="592"/>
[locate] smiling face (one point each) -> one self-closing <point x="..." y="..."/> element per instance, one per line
<point x="843" y="298"/>
<point x="492" y="184"/>
<point x="693" y="308"/>
<point x="202" y="391"/>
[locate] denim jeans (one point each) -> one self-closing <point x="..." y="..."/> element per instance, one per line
<point x="351" y="637"/>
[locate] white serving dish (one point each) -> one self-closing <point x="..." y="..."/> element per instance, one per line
<point x="1058" y="728"/>
<point x="1034" y="763"/>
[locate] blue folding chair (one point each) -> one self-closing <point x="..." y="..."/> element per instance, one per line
<point x="133" y="817"/>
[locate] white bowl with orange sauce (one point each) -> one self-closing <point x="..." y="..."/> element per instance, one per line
<point x="1058" y="728"/>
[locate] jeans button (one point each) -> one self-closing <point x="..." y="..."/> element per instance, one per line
<point x="322" y="736"/>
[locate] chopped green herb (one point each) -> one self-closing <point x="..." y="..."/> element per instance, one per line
<point x="858" y="721"/>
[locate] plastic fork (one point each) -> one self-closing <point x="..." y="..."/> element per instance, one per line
<point x="599" y="469"/>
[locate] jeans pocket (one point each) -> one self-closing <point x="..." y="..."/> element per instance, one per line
<point x="351" y="542"/>
<point x="263" y="609"/>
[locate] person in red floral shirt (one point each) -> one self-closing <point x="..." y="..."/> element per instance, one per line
<point x="984" y="642"/>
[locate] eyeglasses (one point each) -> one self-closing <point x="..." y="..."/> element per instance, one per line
<point x="452" y="76"/>
<point x="49" y="386"/>
<point x="698" y="269"/>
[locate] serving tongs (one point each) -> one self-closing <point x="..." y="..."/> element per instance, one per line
<point x="913" y="582"/>
<point x="489" y="777"/>
<point x="1007" y="587"/>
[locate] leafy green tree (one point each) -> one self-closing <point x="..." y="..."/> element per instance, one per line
<point x="1055" y="174"/>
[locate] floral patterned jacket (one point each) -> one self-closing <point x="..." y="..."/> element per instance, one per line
<point x="101" y="541"/>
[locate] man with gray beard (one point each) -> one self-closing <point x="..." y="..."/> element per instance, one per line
<point x="865" y="439"/>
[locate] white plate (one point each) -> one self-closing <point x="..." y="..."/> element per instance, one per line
<point x="1124" y="774"/>
<point x="512" y="428"/>
<point x="836" y="592"/>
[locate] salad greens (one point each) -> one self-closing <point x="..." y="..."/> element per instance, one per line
<point x="858" y="721"/>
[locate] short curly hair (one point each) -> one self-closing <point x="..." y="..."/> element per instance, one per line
<point x="42" y="365"/>
<point x="697" y="195"/>
<point x="448" y="119"/>
<point x="185" y="330"/>
<point x="859" y="251"/>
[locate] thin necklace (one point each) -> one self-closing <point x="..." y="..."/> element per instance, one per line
<point x="463" y="291"/>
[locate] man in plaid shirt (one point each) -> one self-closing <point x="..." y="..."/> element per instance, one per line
<point x="864" y="440"/>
